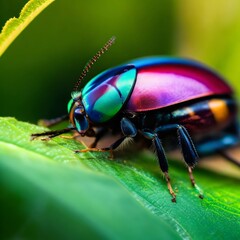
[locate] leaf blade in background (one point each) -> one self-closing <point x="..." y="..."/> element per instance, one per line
<point x="15" y="26"/>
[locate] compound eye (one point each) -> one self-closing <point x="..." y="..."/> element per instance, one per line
<point x="81" y="122"/>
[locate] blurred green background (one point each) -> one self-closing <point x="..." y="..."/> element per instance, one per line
<point x="39" y="69"/>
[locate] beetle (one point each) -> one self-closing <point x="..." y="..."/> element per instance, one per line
<point x="155" y="97"/>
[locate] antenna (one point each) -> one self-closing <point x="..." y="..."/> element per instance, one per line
<point x="90" y="63"/>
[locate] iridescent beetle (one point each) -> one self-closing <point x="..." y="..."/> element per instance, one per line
<point x="153" y="97"/>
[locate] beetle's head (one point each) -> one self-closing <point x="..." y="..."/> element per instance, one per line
<point x="78" y="116"/>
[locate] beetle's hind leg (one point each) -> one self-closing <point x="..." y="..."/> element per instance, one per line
<point x="189" y="152"/>
<point x="219" y="145"/>
<point x="229" y="158"/>
<point x="188" y="149"/>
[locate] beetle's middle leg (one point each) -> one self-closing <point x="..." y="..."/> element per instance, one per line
<point x="99" y="135"/>
<point x="162" y="160"/>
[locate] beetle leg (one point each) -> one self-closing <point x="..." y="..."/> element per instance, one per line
<point x="229" y="158"/>
<point x="106" y="149"/>
<point x="191" y="176"/>
<point x="129" y="131"/>
<point x="68" y="137"/>
<point x="170" y="186"/>
<point x="199" y="190"/>
<point x="101" y="133"/>
<point x="162" y="160"/>
<point x="52" y="122"/>
<point x="188" y="149"/>
<point x="219" y="145"/>
<point x="90" y="150"/>
<point x="128" y="128"/>
<point x="51" y="134"/>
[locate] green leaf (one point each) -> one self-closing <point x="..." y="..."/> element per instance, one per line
<point x="15" y="26"/>
<point x="49" y="191"/>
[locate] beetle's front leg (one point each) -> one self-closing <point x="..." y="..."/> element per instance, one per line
<point x="129" y="131"/>
<point x="50" y="134"/>
<point x="52" y="122"/>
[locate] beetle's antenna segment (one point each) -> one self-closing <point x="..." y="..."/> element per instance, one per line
<point x="89" y="64"/>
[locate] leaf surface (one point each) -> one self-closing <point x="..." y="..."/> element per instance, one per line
<point x="49" y="190"/>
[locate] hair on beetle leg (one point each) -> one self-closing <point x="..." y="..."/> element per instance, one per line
<point x="125" y="144"/>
